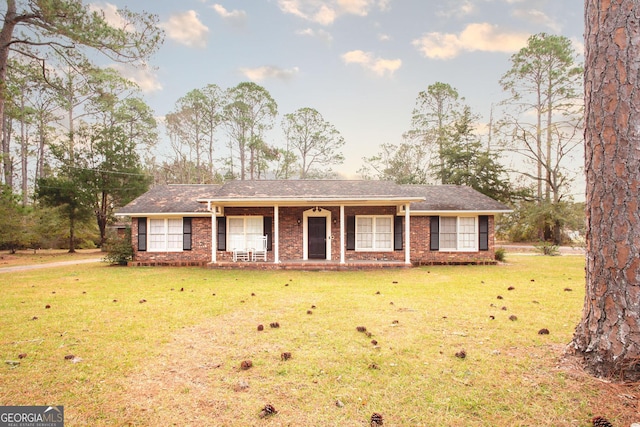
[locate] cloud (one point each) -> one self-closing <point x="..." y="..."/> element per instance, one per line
<point x="143" y="76"/>
<point x="236" y="17"/>
<point x="457" y="9"/>
<point x="379" y="66"/>
<point x="110" y="13"/>
<point x="475" y="37"/>
<point x="320" y="34"/>
<point x="325" y="12"/>
<point x="537" y="16"/>
<point x="268" y="72"/>
<point x="185" y="28"/>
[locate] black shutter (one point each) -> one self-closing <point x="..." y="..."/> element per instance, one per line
<point x="186" y="234"/>
<point x="351" y="233"/>
<point x="142" y="234"/>
<point x="483" y="226"/>
<point x="435" y="233"/>
<point x="397" y="233"/>
<point x="267" y="221"/>
<point x="222" y="233"/>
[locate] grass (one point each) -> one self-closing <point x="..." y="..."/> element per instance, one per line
<point x="163" y="346"/>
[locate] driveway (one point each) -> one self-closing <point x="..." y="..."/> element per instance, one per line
<point x="48" y="265"/>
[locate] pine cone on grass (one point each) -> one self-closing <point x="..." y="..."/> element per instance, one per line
<point x="376" y="420"/>
<point x="601" y="422"/>
<point x="268" y="410"/>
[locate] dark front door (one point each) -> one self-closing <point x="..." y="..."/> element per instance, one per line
<point x="317" y="237"/>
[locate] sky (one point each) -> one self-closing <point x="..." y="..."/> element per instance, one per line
<point x="359" y="63"/>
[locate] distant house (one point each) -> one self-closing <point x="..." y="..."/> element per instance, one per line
<point x="312" y="223"/>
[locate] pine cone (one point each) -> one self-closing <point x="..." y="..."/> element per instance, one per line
<point x="274" y="325"/>
<point x="361" y="329"/>
<point x="285" y="356"/>
<point x="268" y="410"/>
<point x="601" y="422"/>
<point x="246" y="364"/>
<point x="376" y="420"/>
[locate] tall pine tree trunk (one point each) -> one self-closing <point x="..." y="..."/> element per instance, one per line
<point x="608" y="337"/>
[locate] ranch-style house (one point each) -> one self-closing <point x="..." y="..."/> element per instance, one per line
<point x="320" y="224"/>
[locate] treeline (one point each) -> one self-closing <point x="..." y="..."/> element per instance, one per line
<point x="79" y="141"/>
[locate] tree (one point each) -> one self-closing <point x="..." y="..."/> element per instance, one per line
<point x="405" y="163"/>
<point x="248" y="113"/>
<point x="70" y="28"/>
<point x="108" y="169"/>
<point x="316" y="141"/>
<point x="192" y="129"/>
<point x="434" y="117"/>
<point x="464" y="161"/>
<point x="66" y="192"/>
<point x="608" y="336"/>
<point x="544" y="82"/>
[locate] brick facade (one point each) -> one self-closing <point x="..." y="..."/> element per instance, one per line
<point x="291" y="233"/>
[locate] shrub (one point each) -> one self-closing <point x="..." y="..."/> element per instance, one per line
<point x="500" y="254"/>
<point x="119" y="249"/>
<point x="546" y="248"/>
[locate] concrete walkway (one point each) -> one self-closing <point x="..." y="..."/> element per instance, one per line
<point x="48" y="265"/>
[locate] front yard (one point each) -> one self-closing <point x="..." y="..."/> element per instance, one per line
<point x="164" y="346"/>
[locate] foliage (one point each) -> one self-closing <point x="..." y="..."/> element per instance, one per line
<point x="191" y="128"/>
<point x="315" y="140"/>
<point x="464" y="161"/>
<point x="15" y="222"/>
<point x="546" y="248"/>
<point x="67" y="192"/>
<point x="119" y="249"/>
<point x="405" y="163"/>
<point x="500" y="254"/>
<point x="543" y="117"/>
<point x="528" y="217"/>
<point x="248" y="114"/>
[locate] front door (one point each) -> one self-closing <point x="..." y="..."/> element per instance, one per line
<point x="317" y="227"/>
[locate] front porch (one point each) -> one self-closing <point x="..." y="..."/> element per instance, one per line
<point x="303" y="265"/>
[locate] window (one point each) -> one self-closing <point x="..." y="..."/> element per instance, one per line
<point x="165" y="235"/>
<point x="458" y="234"/>
<point x="374" y="233"/>
<point x="242" y="231"/>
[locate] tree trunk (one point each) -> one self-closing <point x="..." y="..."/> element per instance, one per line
<point x="608" y="337"/>
<point x="6" y="35"/>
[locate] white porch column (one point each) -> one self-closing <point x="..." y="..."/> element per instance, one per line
<point x="276" y="234"/>
<point x="407" y="237"/>
<point x="342" y="234"/>
<point x="214" y="237"/>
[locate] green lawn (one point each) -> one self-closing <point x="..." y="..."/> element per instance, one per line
<point x="163" y="346"/>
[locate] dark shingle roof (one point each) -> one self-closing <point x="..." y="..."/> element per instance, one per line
<point x="171" y="199"/>
<point x="452" y="198"/>
<point x="310" y="189"/>
<point x="184" y="198"/>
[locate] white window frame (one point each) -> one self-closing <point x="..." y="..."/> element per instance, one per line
<point x="465" y="241"/>
<point x="375" y="234"/>
<point x="162" y="234"/>
<point x="246" y="237"/>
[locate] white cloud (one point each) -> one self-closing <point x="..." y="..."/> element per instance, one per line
<point x="325" y="12"/>
<point x="187" y="29"/>
<point x="475" y="37"/>
<point x="237" y="17"/>
<point x="320" y="34"/>
<point x="143" y="76"/>
<point x="110" y="13"/>
<point x="268" y="72"/>
<point x="538" y="17"/>
<point x="384" y="37"/>
<point x="459" y="9"/>
<point x="379" y="66"/>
